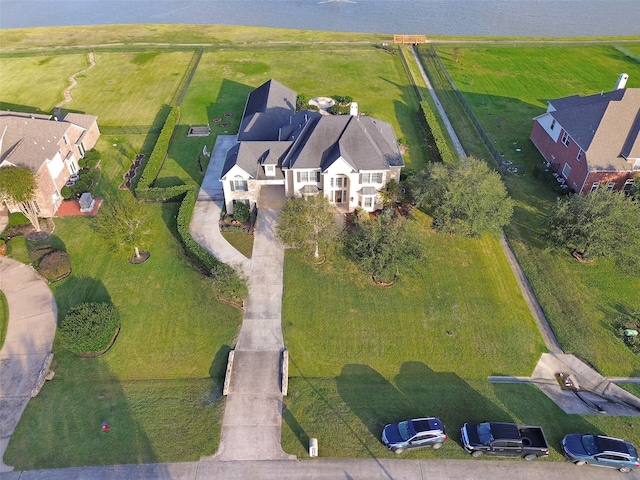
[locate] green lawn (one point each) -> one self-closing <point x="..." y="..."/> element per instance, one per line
<point x="506" y="87"/>
<point x="4" y="318"/>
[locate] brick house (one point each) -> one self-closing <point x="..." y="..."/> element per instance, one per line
<point x="592" y="142"/>
<point x="348" y="158"/>
<point x="48" y="147"/>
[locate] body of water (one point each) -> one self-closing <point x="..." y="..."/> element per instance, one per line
<point x="430" y="17"/>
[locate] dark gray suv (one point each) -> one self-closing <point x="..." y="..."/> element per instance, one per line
<point x="419" y="432"/>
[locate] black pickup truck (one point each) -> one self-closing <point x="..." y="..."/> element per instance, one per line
<point x="504" y="440"/>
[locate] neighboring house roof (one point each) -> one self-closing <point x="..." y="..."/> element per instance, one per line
<point x="606" y="126"/>
<point x="27" y="141"/>
<point x="271" y="132"/>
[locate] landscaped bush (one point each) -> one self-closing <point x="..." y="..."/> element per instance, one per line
<point x="55" y="266"/>
<point x="37" y="252"/>
<point x="89" y="328"/>
<point x="90" y="159"/>
<point x="241" y="212"/>
<point x="441" y="142"/>
<point x="87" y="181"/>
<point x="156" y="159"/>
<point x="17" y="219"/>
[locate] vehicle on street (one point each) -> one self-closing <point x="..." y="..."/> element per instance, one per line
<point x="504" y="440"/>
<point x="600" y="451"/>
<point x="415" y="433"/>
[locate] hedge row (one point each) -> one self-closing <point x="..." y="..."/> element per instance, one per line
<point x="230" y="286"/>
<point x="446" y="154"/>
<point x="197" y="251"/>
<point x="159" y="194"/>
<point x="156" y="159"/>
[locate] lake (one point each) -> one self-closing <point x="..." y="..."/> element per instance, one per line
<point x="430" y="17"/>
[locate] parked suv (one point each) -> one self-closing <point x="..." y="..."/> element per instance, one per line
<point x="419" y="432"/>
<point x="600" y="451"/>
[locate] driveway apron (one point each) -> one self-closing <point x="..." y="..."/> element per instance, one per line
<point x="32" y="327"/>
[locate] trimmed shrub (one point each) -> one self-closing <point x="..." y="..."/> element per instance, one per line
<point x="66" y="192"/>
<point x="156" y="159"/>
<point x="37" y="252"/>
<point x="241" y="212"/>
<point x="438" y="136"/>
<point x="55" y="266"/>
<point x="17" y="219"/>
<point x="89" y="327"/>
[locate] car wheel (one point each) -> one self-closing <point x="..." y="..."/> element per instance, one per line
<point x="530" y="457"/>
<point x="436" y="446"/>
<point x="580" y="463"/>
<point x="476" y="453"/>
<point x="398" y="451"/>
<point x="624" y="469"/>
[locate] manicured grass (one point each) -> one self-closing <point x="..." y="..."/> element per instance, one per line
<point x="241" y="242"/>
<point x="159" y="386"/>
<point x="4" y="318"/>
<point x="506" y="87"/>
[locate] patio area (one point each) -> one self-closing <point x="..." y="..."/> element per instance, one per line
<point x="70" y="208"/>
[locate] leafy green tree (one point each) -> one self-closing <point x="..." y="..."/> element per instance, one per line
<point x="241" y="212"/>
<point x="18" y="187"/>
<point x="308" y="223"/>
<point x="599" y="225"/>
<point x="382" y="245"/>
<point x="123" y="223"/>
<point x="463" y="199"/>
<point x="634" y="192"/>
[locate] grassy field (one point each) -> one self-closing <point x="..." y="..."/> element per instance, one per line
<point x="506" y="88"/>
<point x="4" y="318"/>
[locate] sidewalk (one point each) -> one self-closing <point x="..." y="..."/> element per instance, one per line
<point x="32" y="326"/>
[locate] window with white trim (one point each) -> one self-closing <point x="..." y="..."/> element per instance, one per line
<point x="611" y="186"/>
<point x="367" y="201"/>
<point x="239" y="184"/>
<point x="242" y="200"/>
<point x="339" y="182"/>
<point x="595" y="186"/>
<point x="270" y="170"/>
<point x="627" y="185"/>
<point x="553" y="124"/>
<point x="370" y="177"/>
<point x="308" y="176"/>
<point x="566" y="140"/>
<point x="566" y="170"/>
<point x="579" y="156"/>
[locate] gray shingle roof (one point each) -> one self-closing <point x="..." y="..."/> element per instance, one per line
<point x="28" y="141"/>
<point x="268" y="108"/>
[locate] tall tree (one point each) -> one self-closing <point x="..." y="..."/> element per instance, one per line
<point x="123" y="223"/>
<point x="466" y="199"/>
<point x="599" y="225"/>
<point x="382" y="245"/>
<point x="308" y="223"/>
<point x="18" y="187"/>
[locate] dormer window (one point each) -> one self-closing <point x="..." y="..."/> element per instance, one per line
<point x="270" y="170"/>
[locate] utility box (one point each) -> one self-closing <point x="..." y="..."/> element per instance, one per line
<point x="313" y="447"/>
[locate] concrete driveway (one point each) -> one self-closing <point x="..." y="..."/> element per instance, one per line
<point x="27" y="347"/>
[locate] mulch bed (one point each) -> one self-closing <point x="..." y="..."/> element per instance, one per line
<point x="144" y="256"/>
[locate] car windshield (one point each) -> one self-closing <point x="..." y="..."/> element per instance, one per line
<point x="403" y="429"/>
<point x="589" y="444"/>
<point x="484" y="432"/>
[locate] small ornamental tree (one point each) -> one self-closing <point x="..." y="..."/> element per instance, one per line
<point x="382" y="245"/>
<point x="124" y="224"/>
<point x="89" y="327"/>
<point x="308" y="223"/>
<point x="18" y="187"/>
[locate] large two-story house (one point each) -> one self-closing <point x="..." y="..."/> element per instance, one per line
<point x="593" y="142"/>
<point x="347" y="158"/>
<point x="50" y="148"/>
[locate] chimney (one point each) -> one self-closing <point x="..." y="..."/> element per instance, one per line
<point x="354" y="109"/>
<point x="622" y="81"/>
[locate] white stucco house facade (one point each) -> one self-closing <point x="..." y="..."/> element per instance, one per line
<point x="347" y="158"/>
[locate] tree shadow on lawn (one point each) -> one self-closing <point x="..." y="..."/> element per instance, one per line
<point x="62" y="426"/>
<point x="74" y="290"/>
<point x="231" y="98"/>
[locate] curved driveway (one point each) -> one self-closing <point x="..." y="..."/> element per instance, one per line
<point x="32" y="326"/>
